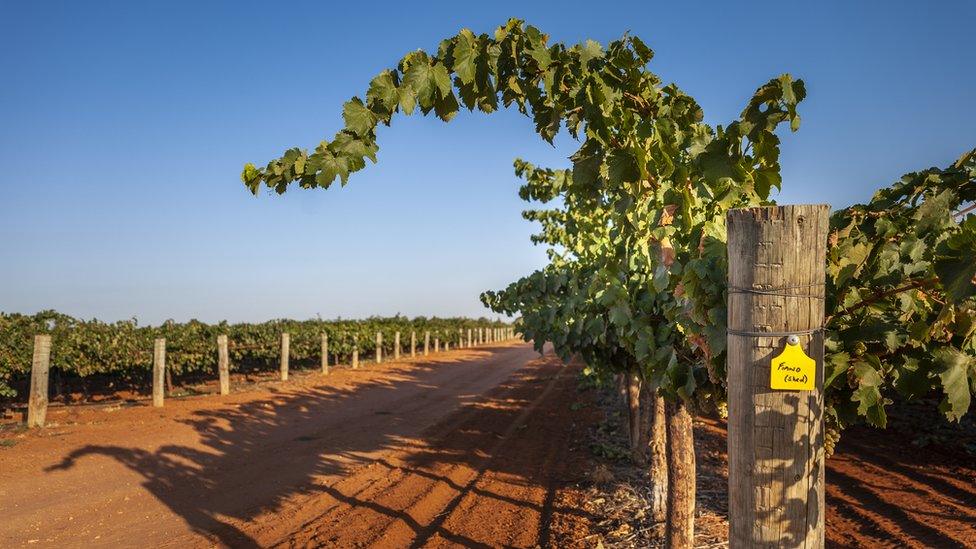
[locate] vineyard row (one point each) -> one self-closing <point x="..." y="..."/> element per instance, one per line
<point x="41" y="361"/>
<point x="123" y="351"/>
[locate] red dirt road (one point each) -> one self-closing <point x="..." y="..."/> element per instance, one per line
<point x="467" y="447"/>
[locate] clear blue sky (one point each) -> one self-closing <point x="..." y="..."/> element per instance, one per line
<point x="124" y="127"/>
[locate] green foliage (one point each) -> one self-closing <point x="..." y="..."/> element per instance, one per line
<point x="124" y="349"/>
<point x="901" y="317"/>
<point x="639" y="280"/>
<point x="637" y="244"/>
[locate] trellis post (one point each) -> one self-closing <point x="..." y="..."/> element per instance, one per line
<point x="379" y="347"/>
<point x="285" y="344"/>
<point x="223" y="365"/>
<point x="777" y="258"/>
<point x="159" y="371"/>
<point x="40" y="368"/>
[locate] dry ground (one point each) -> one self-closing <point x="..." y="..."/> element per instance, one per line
<point x="487" y="447"/>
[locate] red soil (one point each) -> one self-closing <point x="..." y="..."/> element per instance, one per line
<point x="479" y="448"/>
<point x="881" y="490"/>
<point x="469" y="447"/>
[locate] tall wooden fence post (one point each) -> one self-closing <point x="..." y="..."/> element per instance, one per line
<point x="777" y="258"/>
<point x="159" y="371"/>
<point x="426" y="343"/>
<point x="325" y="353"/>
<point x="396" y="346"/>
<point x="285" y="352"/>
<point x="379" y="347"/>
<point x="413" y="344"/>
<point x="223" y="365"/>
<point x="40" y="366"/>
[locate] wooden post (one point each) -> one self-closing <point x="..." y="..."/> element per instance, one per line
<point x="679" y="528"/>
<point x="413" y="344"/>
<point x="470" y="341"/>
<point x="437" y="344"/>
<point x="379" y="347"/>
<point x="460" y="343"/>
<point x="285" y="344"/>
<point x="426" y="342"/>
<point x="396" y="346"/>
<point x="777" y="258"/>
<point x="325" y="353"/>
<point x="355" y="355"/>
<point x="40" y="366"/>
<point x="159" y="371"/>
<point x="223" y="365"/>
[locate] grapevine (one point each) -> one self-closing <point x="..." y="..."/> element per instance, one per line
<point x="124" y="349"/>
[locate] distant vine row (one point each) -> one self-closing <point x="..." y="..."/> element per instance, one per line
<point x="124" y="349"/>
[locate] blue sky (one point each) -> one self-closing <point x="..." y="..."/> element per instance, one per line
<point x="125" y="127"/>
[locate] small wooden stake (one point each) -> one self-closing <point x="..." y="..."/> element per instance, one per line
<point x="413" y="344"/>
<point x="426" y="343"/>
<point x="470" y="341"/>
<point x="285" y="344"/>
<point x="159" y="371"/>
<point x="40" y="366"/>
<point x="325" y="353"/>
<point x="355" y="358"/>
<point x="437" y="344"/>
<point x="396" y="346"/>
<point x="223" y="364"/>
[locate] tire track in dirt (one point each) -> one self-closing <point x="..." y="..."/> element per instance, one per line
<point x="477" y="483"/>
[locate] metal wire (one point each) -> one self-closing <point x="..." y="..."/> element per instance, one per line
<point x="744" y="333"/>
<point x="779" y="291"/>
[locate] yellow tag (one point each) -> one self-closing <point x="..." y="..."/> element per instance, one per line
<point x="792" y="370"/>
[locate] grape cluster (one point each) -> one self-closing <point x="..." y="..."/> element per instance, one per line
<point x="831" y="437"/>
<point x="723" y="409"/>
